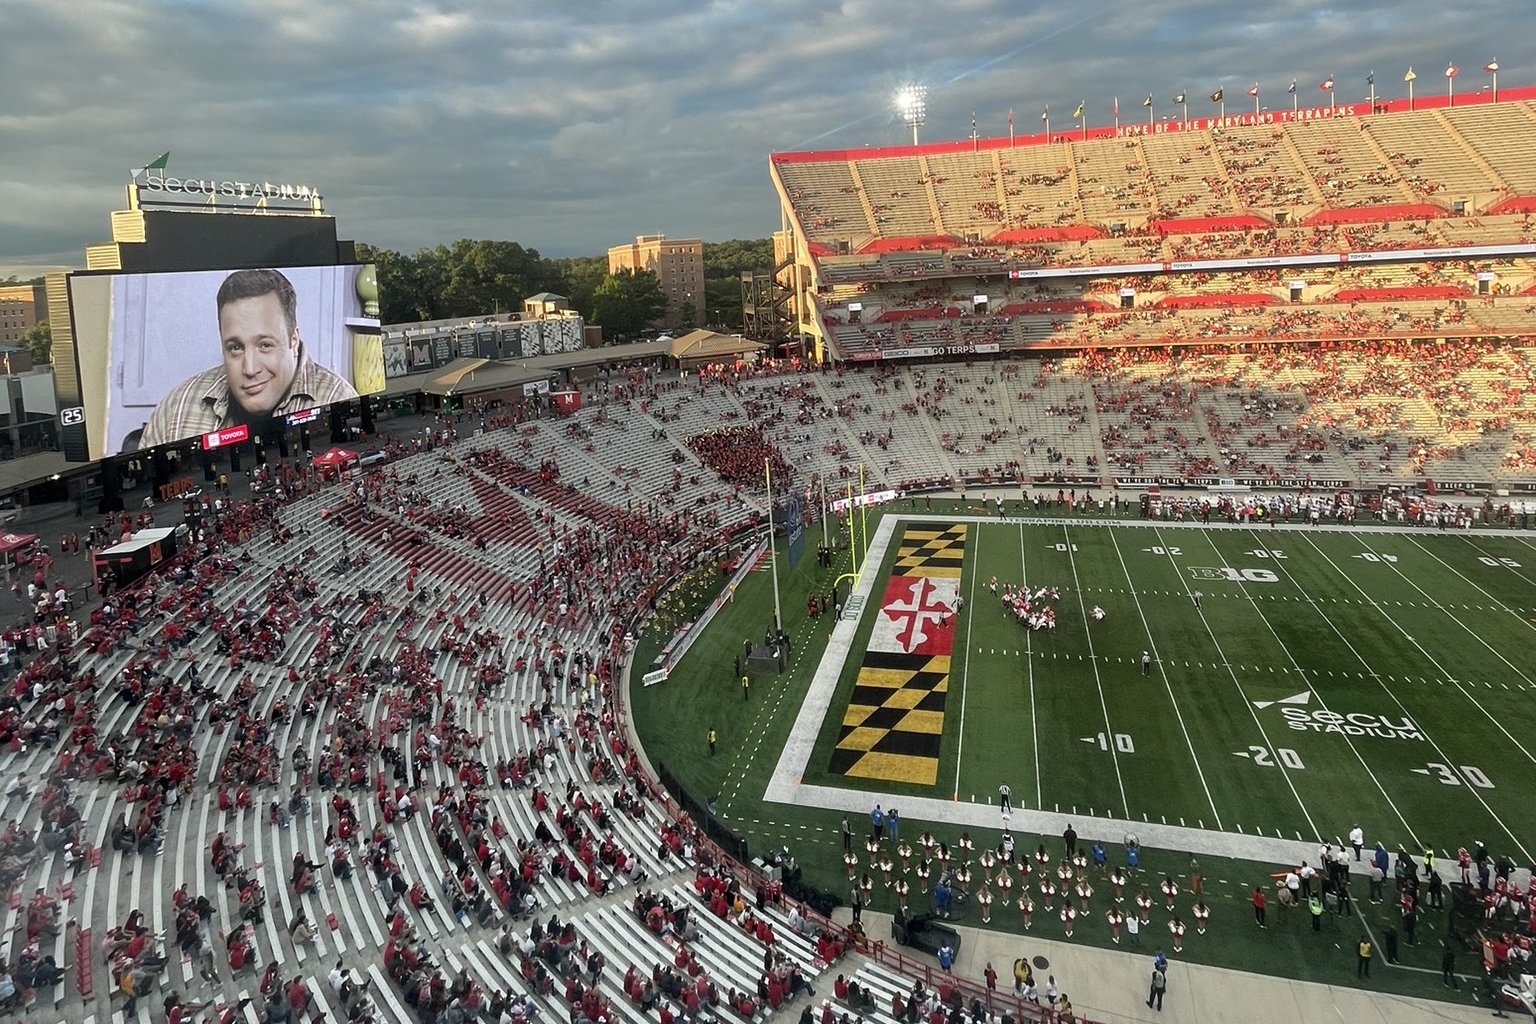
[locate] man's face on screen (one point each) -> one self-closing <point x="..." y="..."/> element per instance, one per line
<point x="261" y="352"/>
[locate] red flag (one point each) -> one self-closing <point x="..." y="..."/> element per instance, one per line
<point x="1326" y="84"/>
<point x="1255" y="90"/>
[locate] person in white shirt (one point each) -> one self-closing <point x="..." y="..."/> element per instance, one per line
<point x="1308" y="872"/>
<point x="1357" y="840"/>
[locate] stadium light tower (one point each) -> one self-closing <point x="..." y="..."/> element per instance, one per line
<point x="912" y="103"/>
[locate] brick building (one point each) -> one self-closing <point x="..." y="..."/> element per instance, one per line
<point x="678" y="264"/>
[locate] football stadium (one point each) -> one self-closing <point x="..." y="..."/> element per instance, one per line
<point x="1133" y="558"/>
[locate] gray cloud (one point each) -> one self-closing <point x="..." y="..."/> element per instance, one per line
<point x="572" y="127"/>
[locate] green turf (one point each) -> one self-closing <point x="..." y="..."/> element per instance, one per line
<point x="1430" y="627"/>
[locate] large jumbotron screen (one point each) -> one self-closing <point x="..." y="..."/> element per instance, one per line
<point x="172" y="356"/>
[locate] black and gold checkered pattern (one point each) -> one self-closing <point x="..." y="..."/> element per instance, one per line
<point x="932" y="549"/>
<point x="894" y="719"/>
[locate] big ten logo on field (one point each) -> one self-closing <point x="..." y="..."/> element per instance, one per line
<point x="1353" y="723"/>
<point x="1226" y="572"/>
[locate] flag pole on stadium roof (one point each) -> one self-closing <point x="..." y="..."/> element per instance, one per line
<point x="1409" y="76"/>
<point x="773" y="550"/>
<point x="1370" y="80"/>
<point x="1451" y="71"/>
<point x="1010" y="127"/>
<point x="1492" y="67"/>
<point x="1151" y="112"/>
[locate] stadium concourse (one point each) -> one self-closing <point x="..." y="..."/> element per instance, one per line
<point x="360" y="750"/>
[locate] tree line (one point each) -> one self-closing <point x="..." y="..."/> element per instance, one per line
<point x="472" y="277"/>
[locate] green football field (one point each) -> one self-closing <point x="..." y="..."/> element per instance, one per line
<point x="1328" y="678"/>
<point x="1325" y="679"/>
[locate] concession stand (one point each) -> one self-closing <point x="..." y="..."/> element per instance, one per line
<point x="140" y="553"/>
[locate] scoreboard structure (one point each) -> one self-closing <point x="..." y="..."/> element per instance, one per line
<point x="140" y="335"/>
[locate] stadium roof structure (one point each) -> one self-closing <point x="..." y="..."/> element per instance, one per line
<point x="704" y="344"/>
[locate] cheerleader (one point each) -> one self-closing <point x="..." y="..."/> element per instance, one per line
<point x="1116" y="921"/>
<point x="1027" y="909"/>
<point x="1170" y="890"/>
<point x="1202" y="914"/>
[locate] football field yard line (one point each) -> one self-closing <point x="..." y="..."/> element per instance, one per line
<point x="1307" y="674"/>
<point x="1457" y="683"/>
<point x="1483" y="554"/>
<point x="965" y="673"/>
<point x="1029" y="660"/>
<point x="1162" y="670"/>
<point x="1428" y="736"/>
<point x="1439" y="606"/>
<point x="1098" y="681"/>
<point x="1285" y="772"/>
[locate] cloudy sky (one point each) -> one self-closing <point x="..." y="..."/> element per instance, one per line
<point x="570" y="127"/>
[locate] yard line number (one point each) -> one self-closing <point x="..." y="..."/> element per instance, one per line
<point x="1447" y="776"/>
<point x="1121" y="740"/>
<point x="1262" y="757"/>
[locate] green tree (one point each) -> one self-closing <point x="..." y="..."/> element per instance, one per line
<point x="624" y="303"/>
<point x="687" y="316"/>
<point x="39" y="340"/>
<point x="577" y="279"/>
<point x="401" y="296"/>
<point x="730" y="258"/>
<point x="485" y="276"/>
<point x="724" y="263"/>
<point x="722" y="296"/>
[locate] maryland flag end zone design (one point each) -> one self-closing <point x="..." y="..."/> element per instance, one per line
<point x="894" y="721"/>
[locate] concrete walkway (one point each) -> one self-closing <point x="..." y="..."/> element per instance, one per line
<point x="1111" y="985"/>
